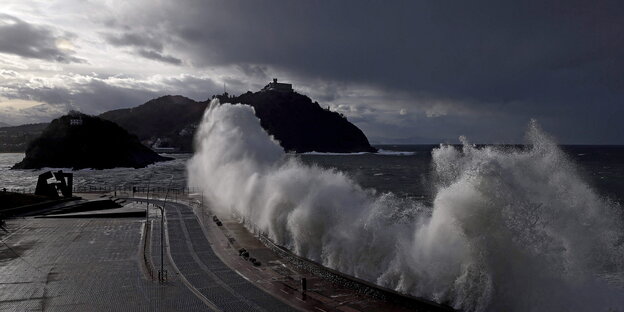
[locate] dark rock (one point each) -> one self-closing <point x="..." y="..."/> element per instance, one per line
<point x="80" y="141"/>
<point x="292" y="118"/>
<point x="301" y="125"/>
<point x="171" y="118"/>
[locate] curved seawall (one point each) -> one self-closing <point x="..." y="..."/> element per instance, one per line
<point x="503" y="221"/>
<point x="361" y="286"/>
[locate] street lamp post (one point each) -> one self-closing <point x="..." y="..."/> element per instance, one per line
<point x="147" y="201"/>
<point x="162" y="273"/>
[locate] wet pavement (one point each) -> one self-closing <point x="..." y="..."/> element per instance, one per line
<point x="218" y="285"/>
<point x="89" y="262"/>
<point x="82" y="265"/>
<point x="211" y="261"/>
<point x="83" y="262"/>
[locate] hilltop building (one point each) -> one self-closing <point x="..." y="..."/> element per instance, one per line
<point x="76" y="118"/>
<point x="278" y="86"/>
<point x="75" y="122"/>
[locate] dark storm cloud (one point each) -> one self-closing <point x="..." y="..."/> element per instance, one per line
<point x="492" y="51"/>
<point x="31" y="41"/>
<point x="253" y="70"/>
<point x="135" y="40"/>
<point x="157" y="56"/>
<point x="145" y="45"/>
<point x="556" y="60"/>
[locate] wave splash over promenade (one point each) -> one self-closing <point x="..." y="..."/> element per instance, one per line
<point x="509" y="230"/>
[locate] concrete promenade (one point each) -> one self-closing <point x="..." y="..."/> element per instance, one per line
<point x="211" y="261"/>
<point x="220" y="286"/>
<point x="96" y="264"/>
<point x="82" y="265"/>
<point x="100" y="260"/>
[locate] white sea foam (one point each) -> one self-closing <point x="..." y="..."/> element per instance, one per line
<point x="335" y="154"/>
<point x="394" y="153"/>
<point x="379" y="152"/>
<point x="509" y="230"/>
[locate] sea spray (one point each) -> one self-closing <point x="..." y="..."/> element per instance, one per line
<point x="509" y="229"/>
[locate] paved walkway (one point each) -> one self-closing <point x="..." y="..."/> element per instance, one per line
<point x="97" y="264"/>
<point x="222" y="288"/>
<point x="82" y="265"/>
<point x="203" y="252"/>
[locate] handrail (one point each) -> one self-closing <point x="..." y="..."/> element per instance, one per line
<point x="352" y="282"/>
<point x="108" y="188"/>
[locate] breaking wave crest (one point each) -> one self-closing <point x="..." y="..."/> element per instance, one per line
<point x="509" y="229"/>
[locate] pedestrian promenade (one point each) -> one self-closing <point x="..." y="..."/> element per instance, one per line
<point x="83" y="265"/>
<point x="219" y="285"/>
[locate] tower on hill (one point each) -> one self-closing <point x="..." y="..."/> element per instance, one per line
<point x="278" y="86"/>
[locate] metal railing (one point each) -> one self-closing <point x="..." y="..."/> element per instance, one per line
<point x="106" y="188"/>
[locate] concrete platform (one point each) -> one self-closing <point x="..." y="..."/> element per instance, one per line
<point x="275" y="275"/>
<point x="128" y="211"/>
<point x="217" y="284"/>
<point x="82" y="265"/>
<point x="87" y="261"/>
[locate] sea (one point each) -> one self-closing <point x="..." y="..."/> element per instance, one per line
<point x="535" y="227"/>
<point x="404" y="170"/>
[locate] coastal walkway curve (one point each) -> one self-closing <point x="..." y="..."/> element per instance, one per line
<point x="207" y="257"/>
<point x="219" y="286"/>
<point x="107" y="260"/>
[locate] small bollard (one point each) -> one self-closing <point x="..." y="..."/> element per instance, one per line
<point x="304" y="288"/>
<point x="162" y="276"/>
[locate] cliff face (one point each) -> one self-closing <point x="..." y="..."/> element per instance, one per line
<point x="301" y="125"/>
<point x="93" y="143"/>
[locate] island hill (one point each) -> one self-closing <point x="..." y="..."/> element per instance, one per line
<point x="298" y="123"/>
<point x="80" y="141"/>
<point x="169" y="123"/>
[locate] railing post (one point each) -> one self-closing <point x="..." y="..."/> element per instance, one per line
<point x="304" y="288"/>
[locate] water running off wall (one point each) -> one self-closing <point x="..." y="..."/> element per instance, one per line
<point x="509" y="229"/>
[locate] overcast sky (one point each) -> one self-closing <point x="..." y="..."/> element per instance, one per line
<point x="403" y="71"/>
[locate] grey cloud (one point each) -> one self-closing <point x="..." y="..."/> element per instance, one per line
<point x="256" y="71"/>
<point x="487" y="50"/>
<point x="92" y="98"/>
<point x="98" y="95"/>
<point x="135" y="40"/>
<point x="197" y="88"/>
<point x="145" y="44"/>
<point x="31" y="41"/>
<point x="492" y="65"/>
<point x="557" y="61"/>
<point x="157" y="56"/>
<point x="33" y="114"/>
